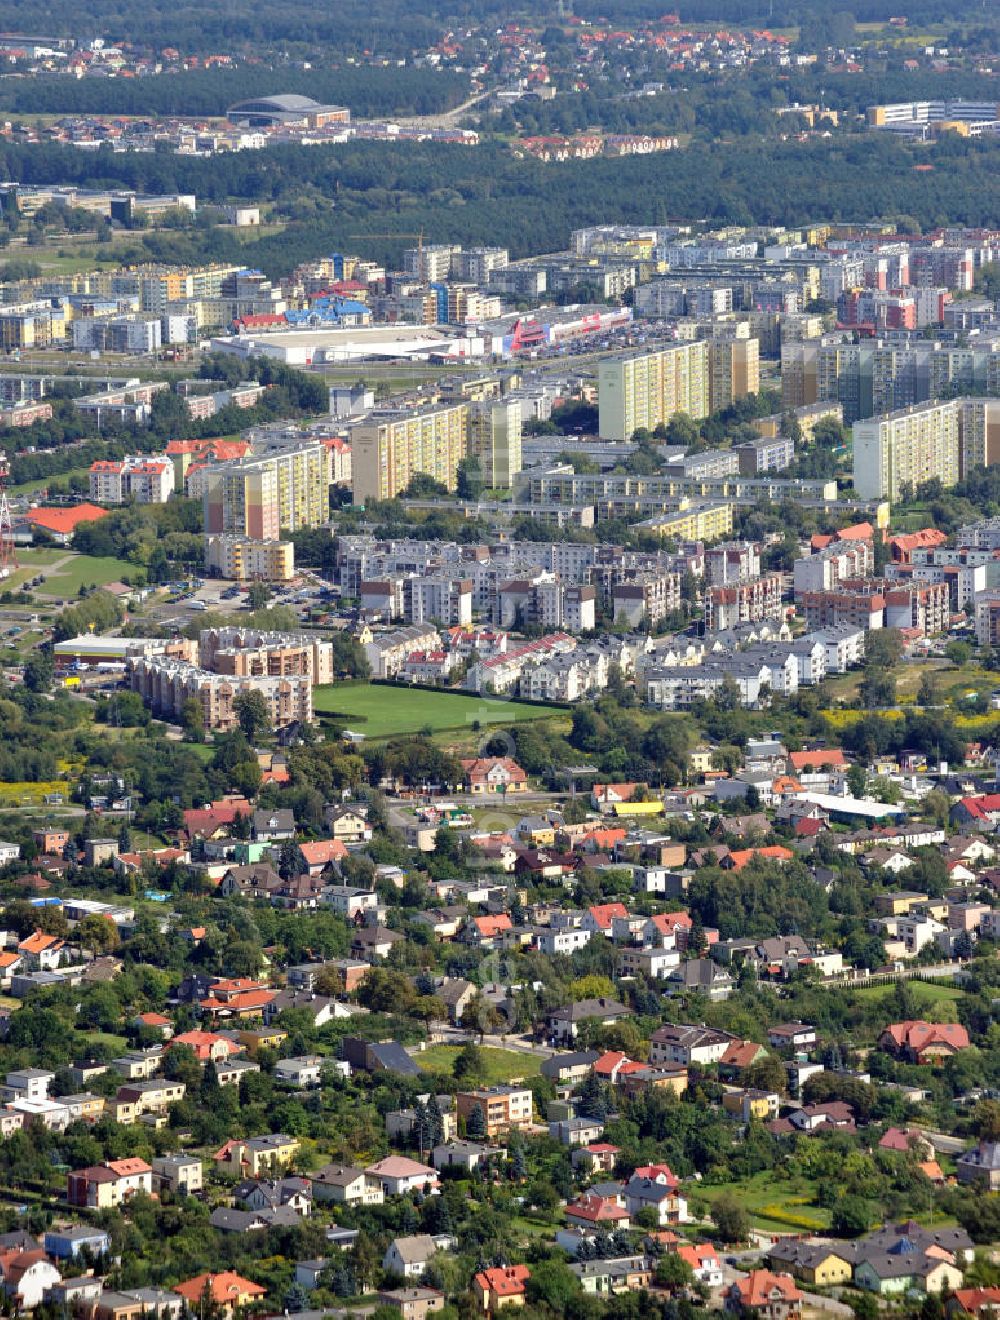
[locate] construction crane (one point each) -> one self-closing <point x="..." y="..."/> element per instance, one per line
<point x="8" y="554"/>
<point x="419" y="237"/>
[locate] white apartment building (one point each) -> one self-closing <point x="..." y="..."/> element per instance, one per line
<point x="896" y="453"/>
<point x="136" y="477"/>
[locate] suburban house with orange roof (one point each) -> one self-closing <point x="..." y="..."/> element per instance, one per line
<point x="501" y="1286"/>
<point x="228" y="1290"/>
<point x="591" y="1210"/>
<point x="770" y="1296"/>
<point x="599" y="918"/>
<point x="27" y="1276"/>
<point x="321" y="854"/>
<point x="105" y="1186"/>
<point x="488" y="932"/>
<point x="485" y="775"/>
<point x="208" y="1046"/>
<point x="606" y="796"/>
<point x="744" y="856"/>
<point x="924" y="1042"/>
<point x="704" y="1261"/>
<point x="41" y="952"/>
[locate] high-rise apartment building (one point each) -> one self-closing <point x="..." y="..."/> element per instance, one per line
<point x="880" y="377"/>
<point x="262" y="497"/>
<point x="389" y="448"/>
<point x="495" y="439"/>
<point x="641" y="390"/>
<point x="734" y="371"/>
<point x="896" y="453"/>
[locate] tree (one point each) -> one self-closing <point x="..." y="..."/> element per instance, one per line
<point x="856" y="779"/>
<point x="98" y="934"/>
<point x="673" y="1272"/>
<point x="731" y="1221"/>
<point x="258" y="595"/>
<point x="475" y="1124"/>
<point x="469" y="1065"/>
<point x="252" y="713"/>
<point x="766" y="1074"/>
<point x="851" y="1216"/>
<point x="553" y="1283"/>
<point x="39" y="671"/>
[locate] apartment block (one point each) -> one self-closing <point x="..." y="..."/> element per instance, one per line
<point x="925" y="607"/>
<point x="646" y="599"/>
<point x="144" y="480"/>
<point x="880" y="376"/>
<point x="261" y="497"/>
<point x="390" y="448"/>
<point x="745" y="602"/>
<point x="446" y="600"/>
<point x="832" y="565"/>
<point x="895" y="454"/>
<point x="732" y="561"/>
<point x="495" y="439"/>
<point x="766" y="455"/>
<point x="734" y="371"/>
<point x="860" y="604"/>
<point x="704" y="520"/>
<point x="165" y="685"/>
<point x="503" y="1107"/>
<point x="643" y="390"/>
<point x="244" y="559"/>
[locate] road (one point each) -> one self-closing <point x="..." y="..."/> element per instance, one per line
<point x="450" y="117"/>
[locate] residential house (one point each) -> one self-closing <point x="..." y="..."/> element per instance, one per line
<point x="924" y="1042"/>
<point x="564" y="1023"/>
<point x="501" y="1286"/>
<point x="253" y="1156"/>
<point x="503" y="1108"/>
<point x="820" y="1265"/>
<point x="228" y="1291"/>
<point x="106" y="1186"/>
<point x="408" y="1257"/>
<point x="345" y="1185"/>
<point x="764" y="1294"/>
<point x="412" y="1303"/>
<point x="980" y="1166"/>
<point x="399" y="1175"/>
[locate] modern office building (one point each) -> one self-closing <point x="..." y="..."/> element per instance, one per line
<point x="389" y="448"/>
<point x="641" y="390"/>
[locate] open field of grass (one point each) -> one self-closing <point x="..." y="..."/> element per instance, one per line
<point x="65" y="572"/>
<point x="381" y="712"/>
<point x="32" y="487"/>
<point x="500" y="1065"/>
<point x="925" y="993"/>
<point x="771" y="1203"/>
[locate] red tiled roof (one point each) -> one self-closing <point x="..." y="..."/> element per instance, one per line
<point x="64" y="521"/>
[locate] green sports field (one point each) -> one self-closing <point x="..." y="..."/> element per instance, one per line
<point x="65" y="572"/>
<point x="381" y="712"/>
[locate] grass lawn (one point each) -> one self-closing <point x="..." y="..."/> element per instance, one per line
<point x="30" y="487"/>
<point x="924" y="992"/>
<point x="774" y="1204"/>
<point x="65" y="572"/>
<point x="500" y="1065"/>
<point x="381" y="712"/>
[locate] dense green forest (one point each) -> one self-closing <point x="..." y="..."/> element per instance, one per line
<point x="388" y="27"/>
<point x="458" y="194"/>
<point x="366" y="90"/>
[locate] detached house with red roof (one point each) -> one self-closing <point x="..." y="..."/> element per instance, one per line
<point x="770" y="1296"/>
<point x="924" y="1042"/>
<point x="591" y="1210"/>
<point x="488" y="775"/>
<point x="977" y="813"/>
<point x="228" y="1290"/>
<point x="60" y="524"/>
<point x="105" y="1186"/>
<point x="501" y="1286"/>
